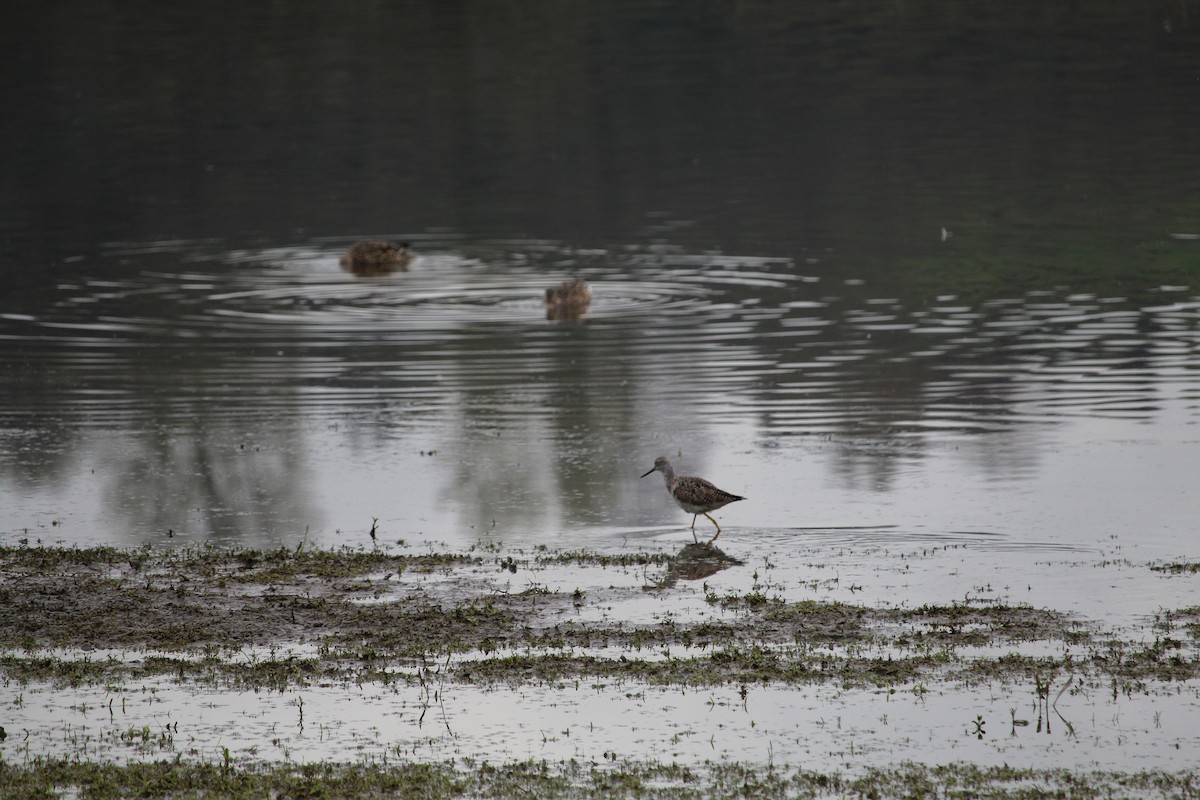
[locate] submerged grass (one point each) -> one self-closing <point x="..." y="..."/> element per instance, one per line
<point x="1178" y="567"/>
<point x="286" y="619"/>
<point x="53" y="778"/>
<point x="187" y="612"/>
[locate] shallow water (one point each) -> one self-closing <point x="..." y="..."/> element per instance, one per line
<point x="269" y="393"/>
<point x="821" y="728"/>
<point x="910" y="279"/>
<point x="264" y="397"/>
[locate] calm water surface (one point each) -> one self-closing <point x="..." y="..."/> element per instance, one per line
<point x="907" y="278"/>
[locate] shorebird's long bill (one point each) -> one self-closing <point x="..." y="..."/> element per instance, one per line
<point x="650" y="470"/>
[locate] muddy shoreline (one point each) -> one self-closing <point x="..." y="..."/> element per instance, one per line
<point x="88" y="616"/>
<point x="365" y="609"/>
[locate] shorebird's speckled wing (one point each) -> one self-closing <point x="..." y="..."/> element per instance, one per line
<point x="701" y="494"/>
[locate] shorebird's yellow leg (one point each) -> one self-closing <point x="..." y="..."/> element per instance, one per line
<point x="714" y="522"/>
<point x="694" y="527"/>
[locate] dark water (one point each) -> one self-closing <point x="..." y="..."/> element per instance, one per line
<point x="868" y="263"/>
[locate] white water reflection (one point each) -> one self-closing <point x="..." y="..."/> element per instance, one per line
<point x="815" y="727"/>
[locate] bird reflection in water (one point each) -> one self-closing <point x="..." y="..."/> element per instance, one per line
<point x="694" y="562"/>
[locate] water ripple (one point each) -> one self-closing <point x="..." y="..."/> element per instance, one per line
<point x="739" y="335"/>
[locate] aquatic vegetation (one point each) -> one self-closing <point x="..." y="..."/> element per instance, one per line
<point x="572" y="779"/>
<point x="124" y="626"/>
<point x="178" y="607"/>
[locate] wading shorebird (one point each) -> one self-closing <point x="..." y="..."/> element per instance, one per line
<point x="568" y="300"/>
<point x="694" y="495"/>
<point x="376" y="257"/>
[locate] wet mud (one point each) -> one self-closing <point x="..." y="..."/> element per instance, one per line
<point x="484" y="617"/>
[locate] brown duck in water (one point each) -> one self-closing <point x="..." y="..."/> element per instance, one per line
<point x="568" y="300"/>
<point x="376" y="257"/>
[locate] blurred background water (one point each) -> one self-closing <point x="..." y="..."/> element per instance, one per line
<point x="924" y="270"/>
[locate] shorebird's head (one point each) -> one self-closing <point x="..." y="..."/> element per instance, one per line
<point x="659" y="464"/>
